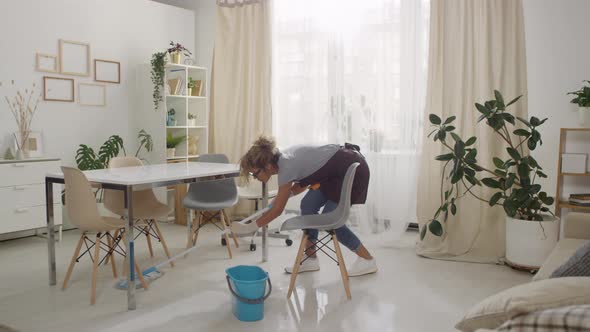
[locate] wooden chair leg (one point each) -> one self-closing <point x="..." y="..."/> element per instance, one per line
<point x="140" y="277"/>
<point x="115" y="236"/>
<point x="73" y="261"/>
<point x="157" y="228"/>
<point x="225" y="234"/>
<point x="112" y="254"/>
<point x="297" y="265"/>
<point x="95" y="268"/>
<point x="228" y="223"/>
<point x="149" y="239"/>
<point x="342" y="266"/>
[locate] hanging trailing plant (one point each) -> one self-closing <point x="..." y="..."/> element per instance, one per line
<point x="158" y="63"/>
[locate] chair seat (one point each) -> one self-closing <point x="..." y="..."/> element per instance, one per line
<point x="144" y="209"/>
<point x="323" y="222"/>
<point x="208" y="203"/>
<point x="107" y="224"/>
<point x="247" y="193"/>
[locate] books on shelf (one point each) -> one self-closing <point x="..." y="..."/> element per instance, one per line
<point x="580" y="199"/>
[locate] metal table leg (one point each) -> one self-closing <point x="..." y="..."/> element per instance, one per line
<point x="129" y="243"/>
<point x="265" y="228"/>
<point x="50" y="234"/>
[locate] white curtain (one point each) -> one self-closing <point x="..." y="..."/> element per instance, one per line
<point x="355" y="71"/>
<point x="476" y="46"/>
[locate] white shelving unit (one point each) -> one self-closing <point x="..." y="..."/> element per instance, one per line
<point x="154" y="121"/>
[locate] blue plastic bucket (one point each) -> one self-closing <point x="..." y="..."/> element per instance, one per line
<point x="248" y="286"/>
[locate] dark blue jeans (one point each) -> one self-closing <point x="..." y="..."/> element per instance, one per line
<point x="311" y="204"/>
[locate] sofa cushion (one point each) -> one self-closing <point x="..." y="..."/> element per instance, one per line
<point x="564" y="249"/>
<point x="563" y="319"/>
<point x="545" y="294"/>
<point x="577" y="266"/>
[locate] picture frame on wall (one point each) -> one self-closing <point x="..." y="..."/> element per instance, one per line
<point x="58" y="89"/>
<point x="74" y="58"/>
<point x="92" y="94"/>
<point x="34" y="144"/>
<point x="107" y="71"/>
<point x="47" y="63"/>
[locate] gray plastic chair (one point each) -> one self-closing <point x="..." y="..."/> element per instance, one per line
<point x="215" y="196"/>
<point x="325" y="222"/>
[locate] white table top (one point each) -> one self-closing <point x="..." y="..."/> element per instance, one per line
<point x="155" y="173"/>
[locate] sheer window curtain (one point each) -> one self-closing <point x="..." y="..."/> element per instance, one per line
<point x="355" y="71"/>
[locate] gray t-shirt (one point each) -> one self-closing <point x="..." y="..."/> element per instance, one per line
<point x="300" y="161"/>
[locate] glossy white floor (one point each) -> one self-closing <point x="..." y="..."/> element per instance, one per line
<point x="407" y="294"/>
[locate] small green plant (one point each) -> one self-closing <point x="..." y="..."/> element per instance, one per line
<point x="172" y="142"/>
<point x="158" y="68"/>
<point x="513" y="179"/>
<point x="582" y="98"/>
<point x="176" y="47"/>
<point x="191" y="116"/>
<point x="191" y="83"/>
<point x="88" y="159"/>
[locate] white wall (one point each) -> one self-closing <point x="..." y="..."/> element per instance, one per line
<point x="128" y="31"/>
<point x="558" y="56"/>
<point x="205" y="19"/>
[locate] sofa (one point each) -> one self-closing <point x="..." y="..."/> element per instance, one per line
<point x="576" y="232"/>
<point x="547" y="300"/>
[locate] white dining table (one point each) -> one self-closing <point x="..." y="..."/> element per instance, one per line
<point x="130" y="179"/>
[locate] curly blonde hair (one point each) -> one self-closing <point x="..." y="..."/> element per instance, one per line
<point x="262" y="153"/>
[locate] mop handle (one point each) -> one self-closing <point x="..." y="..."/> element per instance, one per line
<point x="262" y="211"/>
<point x="254" y="216"/>
<point x="155" y="267"/>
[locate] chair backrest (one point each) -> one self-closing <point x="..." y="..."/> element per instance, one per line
<point x="342" y="211"/>
<point x="331" y="220"/>
<point x="221" y="189"/>
<point x="80" y="200"/>
<point x="114" y="200"/>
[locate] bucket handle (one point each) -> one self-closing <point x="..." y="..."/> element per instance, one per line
<point x="249" y="301"/>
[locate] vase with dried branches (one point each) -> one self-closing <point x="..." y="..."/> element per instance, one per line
<point x="23" y="107"/>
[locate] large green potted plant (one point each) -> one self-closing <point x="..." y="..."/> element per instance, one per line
<point x="531" y="228"/>
<point x="582" y="99"/>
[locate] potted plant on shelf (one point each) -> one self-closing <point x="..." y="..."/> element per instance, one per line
<point x="192" y="120"/>
<point x="172" y="143"/>
<point x="175" y="50"/>
<point x="170" y="118"/>
<point x="582" y="99"/>
<point x="190" y="86"/>
<point x="531" y="228"/>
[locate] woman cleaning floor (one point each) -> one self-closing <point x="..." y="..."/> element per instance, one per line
<point x="303" y="166"/>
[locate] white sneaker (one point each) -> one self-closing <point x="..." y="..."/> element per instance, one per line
<point x="362" y="266"/>
<point x="310" y="264"/>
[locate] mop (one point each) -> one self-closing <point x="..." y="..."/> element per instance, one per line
<point x="244" y="226"/>
<point x="152" y="273"/>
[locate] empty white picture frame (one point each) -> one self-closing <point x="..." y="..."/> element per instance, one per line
<point x="107" y="71"/>
<point x="58" y="89"/>
<point x="92" y="94"/>
<point x="74" y="58"/>
<point x="47" y="63"/>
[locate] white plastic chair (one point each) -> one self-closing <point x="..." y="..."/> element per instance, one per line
<point x="208" y="196"/>
<point x="328" y="222"/>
